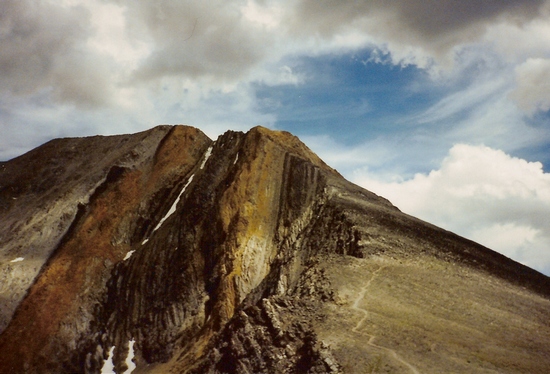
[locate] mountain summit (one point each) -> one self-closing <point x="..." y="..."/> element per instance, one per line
<point x="167" y="252"/>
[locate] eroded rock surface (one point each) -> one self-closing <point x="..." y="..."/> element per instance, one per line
<point x="227" y="256"/>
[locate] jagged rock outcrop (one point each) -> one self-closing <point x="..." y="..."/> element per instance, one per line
<point x="247" y="254"/>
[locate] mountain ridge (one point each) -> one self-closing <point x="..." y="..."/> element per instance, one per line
<point x="196" y="249"/>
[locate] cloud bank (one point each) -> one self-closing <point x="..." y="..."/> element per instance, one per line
<point x="92" y="53"/>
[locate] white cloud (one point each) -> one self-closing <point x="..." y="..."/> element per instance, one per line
<point x="111" y="36"/>
<point x="518" y="42"/>
<point x="484" y="194"/>
<point x="266" y="14"/>
<point x="517" y="241"/>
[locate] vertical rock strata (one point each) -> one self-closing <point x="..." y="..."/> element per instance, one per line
<point x="205" y="254"/>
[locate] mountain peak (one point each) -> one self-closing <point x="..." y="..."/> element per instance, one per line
<point x="243" y="254"/>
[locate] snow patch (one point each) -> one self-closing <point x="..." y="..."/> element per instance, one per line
<point x="18" y="259"/>
<point x="128" y="255"/>
<point x="129" y="359"/>
<point x="206" y="156"/>
<point x="144" y="241"/>
<point x="236" y="159"/>
<point x="108" y="365"/>
<point x="173" y="207"/>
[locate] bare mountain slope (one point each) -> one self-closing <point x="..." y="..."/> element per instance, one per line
<point x="243" y="255"/>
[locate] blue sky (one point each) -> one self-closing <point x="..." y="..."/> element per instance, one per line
<point x="346" y="92"/>
<point x="351" y="99"/>
<point x="440" y="106"/>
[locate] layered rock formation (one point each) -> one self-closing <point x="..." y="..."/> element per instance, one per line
<point x="246" y="254"/>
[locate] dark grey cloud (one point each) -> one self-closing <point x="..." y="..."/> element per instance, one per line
<point x="41" y="49"/>
<point x="433" y="18"/>
<point x="436" y="25"/>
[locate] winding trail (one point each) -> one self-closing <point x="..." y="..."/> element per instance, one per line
<point x="355" y="306"/>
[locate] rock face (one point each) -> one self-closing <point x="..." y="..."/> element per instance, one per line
<point x="247" y="254"/>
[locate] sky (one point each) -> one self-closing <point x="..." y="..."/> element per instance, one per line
<point x="441" y="106"/>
